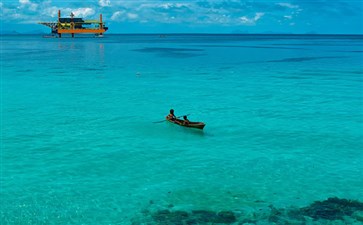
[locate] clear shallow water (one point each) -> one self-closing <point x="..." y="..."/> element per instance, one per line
<point x="284" y="119"/>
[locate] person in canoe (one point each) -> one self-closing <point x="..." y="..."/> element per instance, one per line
<point x="186" y="121"/>
<point x="171" y="115"/>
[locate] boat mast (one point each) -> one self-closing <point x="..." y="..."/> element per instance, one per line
<point x="59" y="23"/>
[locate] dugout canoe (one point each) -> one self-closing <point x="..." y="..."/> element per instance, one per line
<point x="197" y="125"/>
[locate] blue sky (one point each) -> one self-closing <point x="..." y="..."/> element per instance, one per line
<point x="193" y="16"/>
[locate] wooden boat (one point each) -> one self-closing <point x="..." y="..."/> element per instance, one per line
<point x="197" y="125"/>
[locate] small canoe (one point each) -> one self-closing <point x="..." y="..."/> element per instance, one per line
<point x="197" y="125"/>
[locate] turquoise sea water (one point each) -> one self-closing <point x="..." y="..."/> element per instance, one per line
<point x="284" y="119"/>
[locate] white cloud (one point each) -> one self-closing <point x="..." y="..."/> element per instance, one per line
<point x="33" y="7"/>
<point x="166" y="5"/>
<point x="81" y="12"/>
<point x="65" y="12"/>
<point x="288" y="17"/>
<point x="28" y="5"/>
<point x="50" y="11"/>
<point x="258" y="16"/>
<point x="122" y="16"/>
<point x="104" y="3"/>
<point x="253" y="20"/>
<point x="244" y="19"/>
<point x="132" y="16"/>
<point x="190" y="12"/>
<point x="287" y="5"/>
<point x="171" y="5"/>
<point x="24" y="1"/>
<point x="117" y="15"/>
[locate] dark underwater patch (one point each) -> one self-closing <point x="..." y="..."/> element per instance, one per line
<point x="302" y="59"/>
<point x="328" y="210"/>
<point x="291" y="77"/>
<point x="195" y="217"/>
<point x="59" y="71"/>
<point x="168" y="50"/>
<point x="317" y="44"/>
<point x="25" y="71"/>
<point x="355" y="51"/>
<point x="172" y="52"/>
<point x="331" y="209"/>
<point x="333" y="71"/>
<point x="355" y="72"/>
<point x="92" y="69"/>
<point x="248" y="46"/>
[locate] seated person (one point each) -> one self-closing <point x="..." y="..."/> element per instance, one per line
<point x="186" y="121"/>
<point x="171" y="115"/>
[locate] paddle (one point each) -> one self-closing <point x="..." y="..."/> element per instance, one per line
<point x="165" y="120"/>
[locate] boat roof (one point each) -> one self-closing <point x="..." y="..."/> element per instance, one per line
<point x="68" y="20"/>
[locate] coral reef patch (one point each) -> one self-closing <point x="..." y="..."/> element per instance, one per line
<point x="331" y="211"/>
<point x="194" y="217"/>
